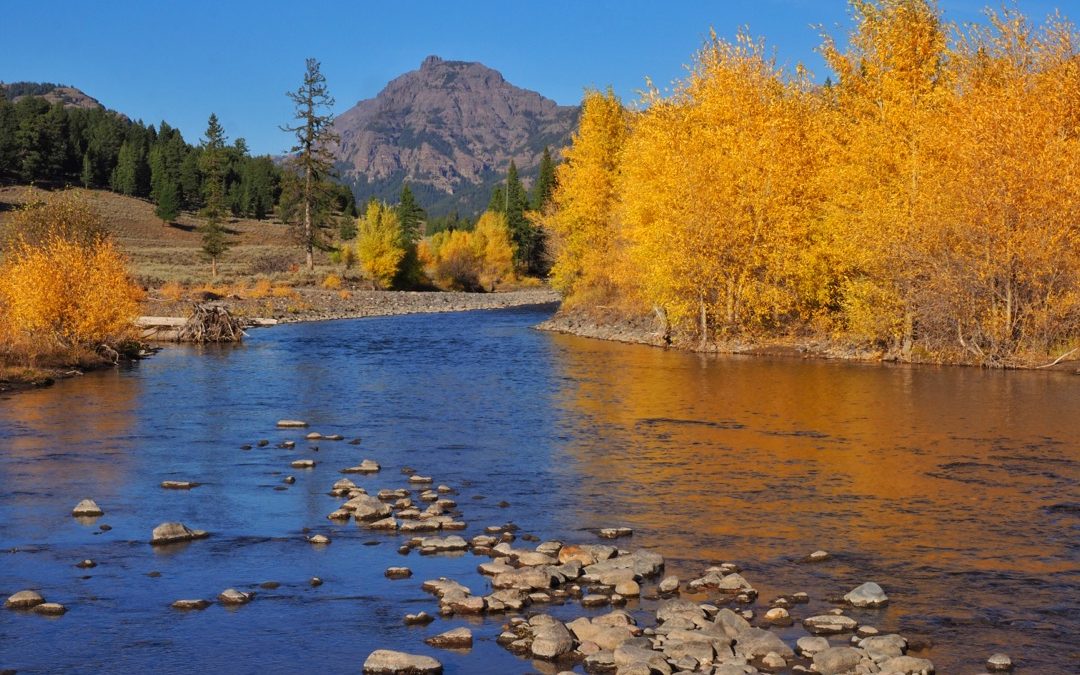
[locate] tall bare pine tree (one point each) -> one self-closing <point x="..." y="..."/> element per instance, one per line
<point x="312" y="159"/>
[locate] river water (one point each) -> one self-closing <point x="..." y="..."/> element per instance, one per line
<point x="956" y="489"/>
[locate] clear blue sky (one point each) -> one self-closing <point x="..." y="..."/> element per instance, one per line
<point x="180" y="61"/>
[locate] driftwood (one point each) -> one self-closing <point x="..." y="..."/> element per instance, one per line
<point x="211" y="322"/>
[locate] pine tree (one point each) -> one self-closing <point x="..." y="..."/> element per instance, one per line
<point x="312" y="159"/>
<point x="87" y="175"/>
<point x="522" y="231"/>
<point x="125" y="175"/>
<point x="213" y="165"/>
<point x="545" y="182"/>
<point x="168" y="206"/>
<point x="410" y="215"/>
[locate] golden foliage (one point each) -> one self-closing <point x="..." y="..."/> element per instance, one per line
<point x="172" y="290"/>
<point x="261" y="289"/>
<point x="63" y="284"/>
<point x="928" y="196"/>
<point x="379" y="244"/>
<point x="471" y="260"/>
<point x="332" y="282"/>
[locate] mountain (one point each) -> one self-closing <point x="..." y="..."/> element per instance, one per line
<point x="450" y="130"/>
<point x="70" y="97"/>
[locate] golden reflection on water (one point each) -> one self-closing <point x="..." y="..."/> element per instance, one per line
<point x="762" y="458"/>
<point x="76" y="431"/>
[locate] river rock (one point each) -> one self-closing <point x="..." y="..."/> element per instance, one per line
<point x="179" y="484"/>
<point x="817" y="556"/>
<point x="191" y="604"/>
<point x="366" y="466"/>
<point x="231" y="596"/>
<point x="731" y="623"/>
<point x="526" y="579"/>
<point x="319" y="539"/>
<point x="418" y="619"/>
<point x="366" y="507"/>
<point x="442" y="586"/>
<point x="451" y="543"/>
<point x="669" y="584"/>
<point x="551" y="641"/>
<point x="388" y="662"/>
<point x="398" y="573"/>
<point x="171" y="533"/>
<point x="458" y="638"/>
<point x="757" y="642"/>
<point x="24" y="600"/>
<point x="881" y="647"/>
<point x="628" y="588"/>
<point x="86" y="564"/>
<point x="778" y="616"/>
<point x="313" y="436"/>
<point x="291" y="424"/>
<point x="87" y="508"/>
<point x="534" y="558"/>
<point x="907" y="665"/>
<point x="829" y="624"/>
<point x="837" y="660"/>
<point x="50" y="609"/>
<point x="999" y="663"/>
<point x="773" y="661"/>
<point x="588" y="554"/>
<point x="810" y="645"/>
<point x="867" y="595"/>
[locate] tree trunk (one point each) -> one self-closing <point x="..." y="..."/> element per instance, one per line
<point x="213" y="267"/>
<point x="307" y="219"/>
<point x="704" y="322"/>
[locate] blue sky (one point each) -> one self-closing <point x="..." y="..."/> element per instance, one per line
<point x="180" y="61"/>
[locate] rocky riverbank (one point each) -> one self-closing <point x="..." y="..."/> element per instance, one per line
<point x="649" y="330"/>
<point x="316" y="304"/>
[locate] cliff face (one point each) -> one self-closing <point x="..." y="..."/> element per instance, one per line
<point x="450" y="129"/>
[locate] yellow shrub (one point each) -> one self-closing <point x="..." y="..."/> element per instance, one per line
<point x="332" y="282"/>
<point x="173" y="291"/>
<point x="283" y="292"/>
<point x="261" y="289"/>
<point x="344" y="295"/>
<point x="63" y="293"/>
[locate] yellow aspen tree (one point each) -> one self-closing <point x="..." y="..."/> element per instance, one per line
<point x="379" y="244"/>
<point x="581" y="225"/>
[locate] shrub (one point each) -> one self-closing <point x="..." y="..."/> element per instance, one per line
<point x="173" y="290"/>
<point x="64" y="286"/>
<point x="261" y="289"/>
<point x="332" y="282"/>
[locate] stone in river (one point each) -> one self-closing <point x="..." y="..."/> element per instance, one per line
<point x="315" y="582"/>
<point x="87" y="508"/>
<point x="420" y="479"/>
<point x="24" y="600"/>
<point x="817" y="556"/>
<point x="773" y="661"/>
<point x="313" y="436"/>
<point x="263" y="443"/>
<point x="810" y="645"/>
<point x="388" y="662"/>
<point x="366" y="466"/>
<point x="829" y="624"/>
<point x="418" y="619"/>
<point x="50" y="609"/>
<point x="398" y="573"/>
<point x="171" y="533"/>
<point x="669" y="585"/>
<point x="552" y="640"/>
<point x="837" y="660"/>
<point x="628" y="588"/>
<point x="231" y="596"/>
<point x="867" y="595"/>
<point x="178" y="484"/>
<point x="303" y="464"/>
<point x="458" y="638"/>
<point x="319" y="539"/>
<point x="291" y="424"/>
<point x="907" y="665"/>
<point x="191" y="604"/>
<point x="999" y="663"/>
<point x="86" y="564"/>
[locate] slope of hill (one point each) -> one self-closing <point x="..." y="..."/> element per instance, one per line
<point x="450" y="129"/>
<point x="70" y="97"/>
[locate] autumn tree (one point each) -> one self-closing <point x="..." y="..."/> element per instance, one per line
<point x="380" y="244"/>
<point x="312" y="156"/>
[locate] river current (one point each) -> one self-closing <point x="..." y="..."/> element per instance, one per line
<point x="956" y="489"/>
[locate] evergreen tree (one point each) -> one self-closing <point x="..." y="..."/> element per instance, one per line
<point x="522" y="231"/>
<point x="168" y="206"/>
<point x="410" y="215"/>
<point x="213" y="165"/>
<point x="125" y="174"/>
<point x="545" y="182"/>
<point x="312" y="158"/>
<point x="190" y="180"/>
<point x="86" y="177"/>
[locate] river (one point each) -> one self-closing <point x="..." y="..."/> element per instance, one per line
<point x="954" y="488"/>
